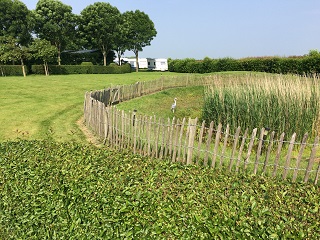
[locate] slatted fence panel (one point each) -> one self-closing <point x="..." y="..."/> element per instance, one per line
<point x="190" y="143"/>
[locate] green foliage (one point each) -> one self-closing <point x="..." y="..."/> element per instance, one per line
<point x="55" y="22"/>
<point x="15" y="21"/>
<point x="55" y="190"/>
<point x="140" y="31"/>
<point x="309" y="64"/>
<point x="43" y="50"/>
<point x="97" y="26"/>
<point x="71" y="58"/>
<point x="12" y="51"/>
<point x="82" y="69"/>
<point x="284" y="104"/>
<point x="314" y="53"/>
<point x="11" y="70"/>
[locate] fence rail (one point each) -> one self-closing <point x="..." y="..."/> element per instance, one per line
<point x="116" y="94"/>
<point x="191" y="142"/>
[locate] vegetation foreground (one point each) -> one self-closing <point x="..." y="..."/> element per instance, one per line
<point x="53" y="190"/>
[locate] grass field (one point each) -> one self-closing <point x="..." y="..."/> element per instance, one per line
<point x="189" y="103"/>
<point x="37" y="106"/>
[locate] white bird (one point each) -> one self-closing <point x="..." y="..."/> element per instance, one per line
<point x="174" y="105"/>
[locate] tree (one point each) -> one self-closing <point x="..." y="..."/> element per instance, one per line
<point x="43" y="50"/>
<point x="15" y="21"/>
<point x="141" y="31"/>
<point x="56" y="23"/>
<point x="121" y="41"/>
<point x="314" y="53"/>
<point x="98" y="24"/>
<point x="15" y="31"/>
<point x="12" y="51"/>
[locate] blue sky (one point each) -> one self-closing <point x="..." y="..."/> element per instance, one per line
<point x="223" y="28"/>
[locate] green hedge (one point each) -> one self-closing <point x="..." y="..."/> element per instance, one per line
<point x="82" y="69"/>
<point x="294" y="65"/>
<point x="12" y="70"/>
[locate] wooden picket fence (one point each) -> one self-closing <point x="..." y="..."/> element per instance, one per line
<point x="190" y="142"/>
<point x="116" y="94"/>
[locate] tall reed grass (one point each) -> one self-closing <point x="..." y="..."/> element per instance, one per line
<point x="282" y="103"/>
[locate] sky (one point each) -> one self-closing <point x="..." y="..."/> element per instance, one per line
<point x="223" y="28"/>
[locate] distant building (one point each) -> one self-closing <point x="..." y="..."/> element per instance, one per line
<point x="156" y="64"/>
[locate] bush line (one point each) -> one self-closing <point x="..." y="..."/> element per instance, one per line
<point x="281" y="65"/>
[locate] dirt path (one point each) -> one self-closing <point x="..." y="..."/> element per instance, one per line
<point x="90" y="137"/>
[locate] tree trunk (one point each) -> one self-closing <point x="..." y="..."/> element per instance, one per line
<point x="2" y="72"/>
<point x="136" y="52"/>
<point x="59" y="53"/>
<point x="104" y="58"/>
<point x="23" y="68"/>
<point x="59" y="58"/>
<point x="119" y="58"/>
<point x="46" y="68"/>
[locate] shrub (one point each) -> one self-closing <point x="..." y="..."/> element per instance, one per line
<point x="82" y="69"/>
<point x="12" y="70"/>
<point x="296" y="65"/>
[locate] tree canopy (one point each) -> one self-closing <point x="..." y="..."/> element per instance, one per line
<point x="11" y="51"/>
<point x="15" y="21"/>
<point x="140" y="30"/>
<point x="56" y="23"/>
<point x="43" y="50"/>
<point x="98" y="24"/>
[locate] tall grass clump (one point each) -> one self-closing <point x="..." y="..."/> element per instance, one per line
<point x="282" y="103"/>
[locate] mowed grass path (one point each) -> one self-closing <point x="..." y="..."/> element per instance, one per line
<point x="36" y="107"/>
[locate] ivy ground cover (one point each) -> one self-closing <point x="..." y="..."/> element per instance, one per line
<point x="51" y="190"/>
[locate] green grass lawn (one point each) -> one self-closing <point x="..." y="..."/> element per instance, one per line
<point x="189" y="103"/>
<point x="37" y="106"/>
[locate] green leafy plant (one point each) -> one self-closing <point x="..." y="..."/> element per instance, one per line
<point x="51" y="190"/>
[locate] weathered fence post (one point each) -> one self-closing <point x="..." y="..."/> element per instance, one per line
<point x="224" y="145"/>
<point x="253" y="137"/>
<point x="244" y="138"/>
<point x="216" y="146"/>
<point x="277" y="158"/>
<point x="258" y="154"/>
<point x="208" y="142"/>
<point x="302" y="147"/>
<point x="287" y="164"/>
<point x="311" y="159"/>
<point x="192" y="133"/>
<point x="235" y="143"/>
<point x="200" y="141"/>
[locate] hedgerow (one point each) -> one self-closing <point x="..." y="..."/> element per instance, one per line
<point x="51" y="190"/>
<point x="304" y="65"/>
<point x="82" y="69"/>
<point x="12" y="70"/>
